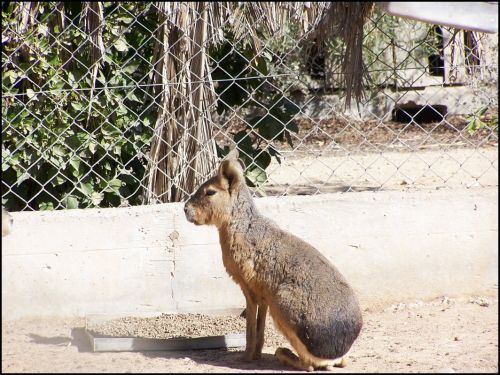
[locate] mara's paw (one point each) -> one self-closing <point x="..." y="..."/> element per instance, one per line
<point x="339" y="362"/>
<point x="286" y="357"/>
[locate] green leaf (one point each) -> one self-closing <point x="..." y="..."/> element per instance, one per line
<point x="92" y="146"/>
<point x="107" y="165"/>
<point x="263" y="159"/>
<point x="109" y="129"/>
<point x="268" y="55"/>
<point x="269" y="127"/>
<point x="125" y="19"/>
<point x="256" y="175"/>
<point x="481" y="111"/>
<point x="46" y="206"/>
<point x="11" y="75"/>
<point x="87" y="188"/>
<point x="121" y="45"/>
<point x="101" y="78"/>
<point x="23" y="177"/>
<point x="75" y="163"/>
<point x="76" y="106"/>
<point x="75" y="141"/>
<point x="70" y="202"/>
<point x="58" y="150"/>
<point x="108" y="59"/>
<point x="96" y="198"/>
<point x="133" y="97"/>
<point x="114" y="185"/>
<point x="71" y="80"/>
<point x="131" y="68"/>
<point x="31" y="94"/>
<point x="58" y="180"/>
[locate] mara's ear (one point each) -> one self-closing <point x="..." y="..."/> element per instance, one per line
<point x="231" y="172"/>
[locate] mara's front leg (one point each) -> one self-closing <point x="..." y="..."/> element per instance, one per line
<point x="261" y="326"/>
<point x="251" y="316"/>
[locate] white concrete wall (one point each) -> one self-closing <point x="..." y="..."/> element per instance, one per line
<point x="392" y="246"/>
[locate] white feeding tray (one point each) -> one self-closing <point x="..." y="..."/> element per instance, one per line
<point x="124" y="339"/>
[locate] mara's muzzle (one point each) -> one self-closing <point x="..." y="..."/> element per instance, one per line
<point x="190" y="213"/>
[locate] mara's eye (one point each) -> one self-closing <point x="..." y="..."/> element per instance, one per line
<point x="210" y="192"/>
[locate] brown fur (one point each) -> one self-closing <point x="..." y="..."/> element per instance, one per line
<point x="307" y="297"/>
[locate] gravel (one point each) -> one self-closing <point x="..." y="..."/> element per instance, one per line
<point x="167" y="326"/>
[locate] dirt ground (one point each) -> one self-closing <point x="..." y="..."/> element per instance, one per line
<point x="341" y="134"/>
<point x="443" y="335"/>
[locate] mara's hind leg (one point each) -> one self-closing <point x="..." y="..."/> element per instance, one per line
<point x="261" y="325"/>
<point x="305" y="360"/>
<point x="286" y="357"/>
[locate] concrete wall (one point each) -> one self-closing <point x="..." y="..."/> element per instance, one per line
<point x="392" y="246"/>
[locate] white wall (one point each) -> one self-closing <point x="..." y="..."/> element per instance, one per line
<point x="392" y="246"/>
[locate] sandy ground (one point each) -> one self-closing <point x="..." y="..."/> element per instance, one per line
<point x="336" y="155"/>
<point x="316" y="172"/>
<point x="444" y="335"/>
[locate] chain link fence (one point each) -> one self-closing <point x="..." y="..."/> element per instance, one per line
<point x="124" y="103"/>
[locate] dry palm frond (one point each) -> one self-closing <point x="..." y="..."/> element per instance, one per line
<point x="272" y="17"/>
<point x="56" y="27"/>
<point x="93" y="23"/>
<point x="345" y="20"/>
<point x="183" y="151"/>
<point x="472" y="52"/>
<point x="26" y="13"/>
<point x="321" y="22"/>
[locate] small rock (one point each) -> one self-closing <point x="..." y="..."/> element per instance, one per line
<point x="484" y="302"/>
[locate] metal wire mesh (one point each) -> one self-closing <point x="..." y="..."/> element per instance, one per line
<point x="94" y="115"/>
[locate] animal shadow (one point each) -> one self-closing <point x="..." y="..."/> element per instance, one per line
<point x="224" y="358"/>
<point x="78" y="339"/>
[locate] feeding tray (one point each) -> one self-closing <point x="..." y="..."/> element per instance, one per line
<point x="123" y="343"/>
